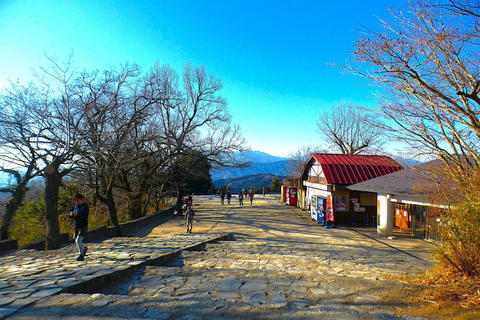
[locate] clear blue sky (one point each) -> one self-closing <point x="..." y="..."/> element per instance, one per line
<point x="272" y="56"/>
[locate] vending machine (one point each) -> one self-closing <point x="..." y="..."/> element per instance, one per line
<point x="319" y="209"/>
<point x="292" y="196"/>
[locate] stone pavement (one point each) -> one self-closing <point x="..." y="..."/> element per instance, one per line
<point x="281" y="265"/>
<point x="30" y="275"/>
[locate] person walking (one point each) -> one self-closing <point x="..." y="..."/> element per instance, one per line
<point x="222" y="196"/>
<point x="251" y="197"/>
<point x="229" y="196"/>
<point x="190" y="200"/>
<point x="189" y="214"/>
<point x="240" y="199"/>
<point x="79" y="214"/>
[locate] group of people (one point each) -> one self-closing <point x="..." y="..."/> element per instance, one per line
<point x="241" y="196"/>
<point x="189" y="213"/>
<point x="79" y="215"/>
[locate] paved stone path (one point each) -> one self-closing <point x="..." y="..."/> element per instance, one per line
<point x="29" y="275"/>
<point x="281" y="265"/>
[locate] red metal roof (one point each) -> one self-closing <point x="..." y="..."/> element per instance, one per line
<point x="351" y="169"/>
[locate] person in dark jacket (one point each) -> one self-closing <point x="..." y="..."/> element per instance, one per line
<point x="189" y="214"/>
<point x="79" y="214"/>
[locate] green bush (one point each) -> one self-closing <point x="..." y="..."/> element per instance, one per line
<point x="29" y="223"/>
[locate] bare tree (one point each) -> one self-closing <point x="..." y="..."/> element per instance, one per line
<point x="296" y="160"/>
<point x="119" y="152"/>
<point x="45" y="138"/>
<point x="120" y="129"/>
<point x="18" y="156"/>
<point x="348" y="131"/>
<point x="194" y="117"/>
<point x="427" y="61"/>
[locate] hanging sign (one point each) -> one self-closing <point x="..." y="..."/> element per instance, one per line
<point x="330" y="208"/>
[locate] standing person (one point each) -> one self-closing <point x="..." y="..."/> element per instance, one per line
<point x="229" y="196"/>
<point x="240" y="199"/>
<point x="222" y="196"/>
<point x="190" y="200"/>
<point x="189" y="214"/>
<point x="79" y="214"/>
<point x="251" y="197"/>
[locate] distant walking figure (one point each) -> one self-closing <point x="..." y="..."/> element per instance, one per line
<point x="240" y="199"/>
<point x="189" y="219"/>
<point x="251" y="197"/>
<point x="229" y="196"/>
<point x="222" y="196"/>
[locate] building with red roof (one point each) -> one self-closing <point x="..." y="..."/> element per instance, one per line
<point x="325" y="179"/>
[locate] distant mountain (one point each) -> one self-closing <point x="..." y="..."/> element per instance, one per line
<point x="260" y="163"/>
<point x="408" y="162"/>
<point x="262" y="157"/>
<point x="246" y="182"/>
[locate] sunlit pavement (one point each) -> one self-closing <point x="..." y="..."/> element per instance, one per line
<point x="281" y="265"/>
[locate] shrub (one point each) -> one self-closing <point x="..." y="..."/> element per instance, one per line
<point x="459" y="219"/>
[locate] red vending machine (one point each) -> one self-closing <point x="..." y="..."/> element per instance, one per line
<point x="292" y="196"/>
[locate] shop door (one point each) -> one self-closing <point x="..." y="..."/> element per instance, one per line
<point x="401" y="219"/>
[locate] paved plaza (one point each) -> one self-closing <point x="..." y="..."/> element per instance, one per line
<point x="260" y="261"/>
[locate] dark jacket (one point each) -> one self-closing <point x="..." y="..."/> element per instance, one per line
<point x="81" y="220"/>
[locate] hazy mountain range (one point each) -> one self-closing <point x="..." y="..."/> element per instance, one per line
<point x="246" y="182"/>
<point x="260" y="163"/>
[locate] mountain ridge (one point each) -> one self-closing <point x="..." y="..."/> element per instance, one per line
<point x="259" y="163"/>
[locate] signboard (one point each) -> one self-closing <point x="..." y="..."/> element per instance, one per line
<point x="357" y="208"/>
<point x="330" y="216"/>
<point x="341" y="203"/>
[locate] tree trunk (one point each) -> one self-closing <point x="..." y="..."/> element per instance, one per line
<point x="109" y="201"/>
<point x="16" y="199"/>
<point x="135" y="206"/>
<point x="112" y="208"/>
<point x="10" y="208"/>
<point x="179" y="195"/>
<point x="52" y="186"/>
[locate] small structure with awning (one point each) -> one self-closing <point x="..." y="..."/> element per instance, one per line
<point x="326" y="176"/>
<point x="401" y="203"/>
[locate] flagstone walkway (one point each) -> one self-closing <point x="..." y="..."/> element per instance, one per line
<point x="280" y="265"/>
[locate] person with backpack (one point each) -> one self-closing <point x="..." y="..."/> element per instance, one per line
<point x="189" y="214"/>
<point x="240" y="199"/>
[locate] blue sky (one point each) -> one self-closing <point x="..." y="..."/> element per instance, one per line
<point x="272" y="56"/>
